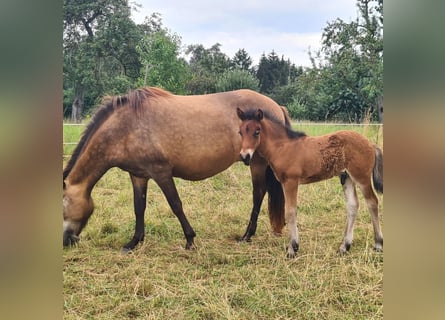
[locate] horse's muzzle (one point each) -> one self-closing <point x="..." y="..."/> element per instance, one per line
<point x="246" y="158"/>
<point x="69" y="238"/>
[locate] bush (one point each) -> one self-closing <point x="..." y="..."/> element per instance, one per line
<point x="237" y="79"/>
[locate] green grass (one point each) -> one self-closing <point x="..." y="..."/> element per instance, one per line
<point x="71" y="134"/>
<point x="221" y="279"/>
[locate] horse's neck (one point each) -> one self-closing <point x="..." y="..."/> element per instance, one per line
<point x="86" y="172"/>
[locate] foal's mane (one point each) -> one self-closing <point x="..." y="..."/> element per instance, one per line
<point x="251" y="114"/>
<point x="134" y="100"/>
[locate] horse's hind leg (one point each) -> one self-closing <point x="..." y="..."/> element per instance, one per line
<point x="168" y="187"/>
<point x="352" y="205"/>
<point x="140" y="202"/>
<point x="373" y="206"/>
<point x="290" y="188"/>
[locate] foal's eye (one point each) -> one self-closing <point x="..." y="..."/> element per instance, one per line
<point x="256" y="133"/>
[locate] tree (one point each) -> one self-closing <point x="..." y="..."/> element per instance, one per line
<point x="159" y="53"/>
<point x="346" y="79"/>
<point x="99" y="51"/>
<point x="206" y="65"/>
<point x="241" y="60"/>
<point x="273" y="72"/>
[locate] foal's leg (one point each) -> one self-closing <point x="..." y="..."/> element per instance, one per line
<point x="258" y="172"/>
<point x="290" y="188"/>
<point x="167" y="185"/>
<point x="373" y="206"/>
<point x="139" y="200"/>
<point x="352" y="205"/>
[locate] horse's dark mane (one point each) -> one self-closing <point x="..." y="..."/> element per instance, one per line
<point x="134" y="99"/>
<point x="251" y="115"/>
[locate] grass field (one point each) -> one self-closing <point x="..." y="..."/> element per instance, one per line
<point x="222" y="279"/>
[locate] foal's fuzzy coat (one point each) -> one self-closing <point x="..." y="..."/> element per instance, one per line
<point x="296" y="158"/>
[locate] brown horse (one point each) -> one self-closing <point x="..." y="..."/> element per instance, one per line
<point x="153" y="134"/>
<point x="299" y="159"/>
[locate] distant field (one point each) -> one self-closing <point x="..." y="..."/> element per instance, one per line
<point x="222" y="279"/>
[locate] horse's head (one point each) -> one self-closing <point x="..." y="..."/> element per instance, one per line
<point x="77" y="209"/>
<point x="250" y="130"/>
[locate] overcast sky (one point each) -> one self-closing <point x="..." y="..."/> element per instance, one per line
<point x="259" y="26"/>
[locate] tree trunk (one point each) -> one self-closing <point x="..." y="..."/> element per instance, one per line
<point x="380" y="108"/>
<point x="77" y="108"/>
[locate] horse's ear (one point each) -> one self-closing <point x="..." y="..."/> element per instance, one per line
<point x="259" y="115"/>
<point x="240" y="113"/>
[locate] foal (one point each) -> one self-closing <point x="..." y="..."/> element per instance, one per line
<point x="296" y="158"/>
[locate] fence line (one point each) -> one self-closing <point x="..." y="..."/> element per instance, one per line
<point x="334" y="124"/>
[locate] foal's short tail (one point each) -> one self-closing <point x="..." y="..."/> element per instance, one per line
<point x="377" y="173"/>
<point x="276" y="201"/>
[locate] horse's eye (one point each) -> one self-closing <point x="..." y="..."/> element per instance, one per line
<point x="257" y="133"/>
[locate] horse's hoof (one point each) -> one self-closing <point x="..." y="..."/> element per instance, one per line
<point x="291" y="255"/>
<point x="126" y="250"/>
<point x="244" y="239"/>
<point x="378" y="249"/>
<point x="190" y="246"/>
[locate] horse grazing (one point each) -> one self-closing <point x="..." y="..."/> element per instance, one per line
<point x="153" y="134"/>
<point x="296" y="158"/>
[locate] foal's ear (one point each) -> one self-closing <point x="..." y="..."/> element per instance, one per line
<point x="240" y="113"/>
<point x="259" y="115"/>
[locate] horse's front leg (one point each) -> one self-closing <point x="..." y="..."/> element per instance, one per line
<point x="290" y="188"/>
<point x="140" y="202"/>
<point x="258" y="172"/>
<point x="167" y="185"/>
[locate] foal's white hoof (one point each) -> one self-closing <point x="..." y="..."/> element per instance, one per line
<point x="344" y="248"/>
<point x="378" y="248"/>
<point x="292" y="249"/>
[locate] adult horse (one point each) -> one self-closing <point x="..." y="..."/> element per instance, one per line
<point x="153" y="134"/>
<point x="296" y="158"/>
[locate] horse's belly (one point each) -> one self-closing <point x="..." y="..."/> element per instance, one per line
<point x="201" y="168"/>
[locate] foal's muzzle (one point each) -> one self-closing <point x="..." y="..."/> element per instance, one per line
<point x="245" y="158"/>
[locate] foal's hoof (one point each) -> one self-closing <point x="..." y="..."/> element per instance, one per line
<point x="292" y="250"/>
<point x="344" y="248"/>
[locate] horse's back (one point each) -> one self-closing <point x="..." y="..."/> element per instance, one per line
<point x="196" y="135"/>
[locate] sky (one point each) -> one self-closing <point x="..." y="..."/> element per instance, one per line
<point x="289" y="27"/>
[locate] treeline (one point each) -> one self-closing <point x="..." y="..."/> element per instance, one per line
<point x="106" y="52"/>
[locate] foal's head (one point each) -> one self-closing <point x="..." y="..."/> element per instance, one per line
<point x="250" y="130"/>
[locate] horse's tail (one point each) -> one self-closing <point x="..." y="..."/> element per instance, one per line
<point x="377" y="173"/>
<point x="275" y="202"/>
